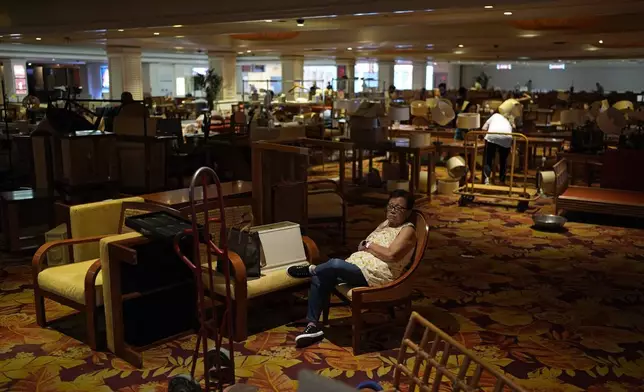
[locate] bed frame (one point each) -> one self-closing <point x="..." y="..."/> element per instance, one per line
<point x="594" y="200"/>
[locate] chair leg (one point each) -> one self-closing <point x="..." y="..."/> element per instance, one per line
<point x="90" y="321"/>
<point x="356" y="316"/>
<point x="40" y="308"/>
<point x="325" y="313"/>
<point x="240" y="332"/>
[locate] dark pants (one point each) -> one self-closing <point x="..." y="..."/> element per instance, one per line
<point x="325" y="277"/>
<point x="490" y="153"/>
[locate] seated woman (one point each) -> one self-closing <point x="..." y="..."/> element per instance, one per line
<point x="380" y="259"/>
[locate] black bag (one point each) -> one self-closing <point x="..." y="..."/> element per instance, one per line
<point x="248" y="246"/>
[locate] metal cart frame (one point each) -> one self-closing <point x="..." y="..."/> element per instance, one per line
<point x="216" y="375"/>
<point x="505" y="192"/>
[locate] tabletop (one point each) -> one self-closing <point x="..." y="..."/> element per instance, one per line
<point x="179" y="198"/>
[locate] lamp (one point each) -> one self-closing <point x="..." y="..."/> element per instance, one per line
<point x="624" y="105"/>
<point x="398" y="114"/>
<point x="511" y="106"/>
<point x="468" y="121"/>
<point x="574" y="117"/>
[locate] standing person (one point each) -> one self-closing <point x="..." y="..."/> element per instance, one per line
<point x="499" y="138"/>
<point x="442" y="88"/>
<point x="380" y="259"/>
<point x="110" y="113"/>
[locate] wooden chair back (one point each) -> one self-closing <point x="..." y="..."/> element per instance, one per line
<point x="561" y="180"/>
<point x="419" y="220"/>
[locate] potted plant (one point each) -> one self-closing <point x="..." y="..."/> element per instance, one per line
<point x="483" y="79"/>
<point x="209" y="83"/>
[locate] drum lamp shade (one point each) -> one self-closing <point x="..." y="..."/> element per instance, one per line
<point x="468" y="121"/>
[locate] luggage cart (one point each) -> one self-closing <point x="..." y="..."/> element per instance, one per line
<point x="522" y="195"/>
<point x="218" y="362"/>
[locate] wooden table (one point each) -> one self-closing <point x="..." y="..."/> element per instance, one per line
<point x="585" y="159"/>
<point x="402" y="149"/>
<point x="179" y="198"/>
<point x="455" y="147"/>
<point x="40" y="207"/>
<point x="545" y="143"/>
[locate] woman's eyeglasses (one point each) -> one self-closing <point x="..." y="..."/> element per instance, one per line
<point x="395" y="208"/>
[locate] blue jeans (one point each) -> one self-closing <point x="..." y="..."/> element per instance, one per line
<point x="325" y="277"/>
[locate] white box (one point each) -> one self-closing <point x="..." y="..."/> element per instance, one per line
<point x="282" y="245"/>
<point x="58" y="255"/>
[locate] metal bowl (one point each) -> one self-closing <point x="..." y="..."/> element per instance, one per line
<point x="548" y="221"/>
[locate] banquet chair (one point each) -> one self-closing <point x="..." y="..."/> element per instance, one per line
<point x="396" y="293"/>
<point x="79" y="283"/>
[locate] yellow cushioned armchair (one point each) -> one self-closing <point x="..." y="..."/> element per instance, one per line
<point x="79" y="283"/>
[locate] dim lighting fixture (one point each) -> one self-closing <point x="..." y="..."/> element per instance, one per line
<point x="507" y="13"/>
<point x="460" y="45"/>
<point x="488" y="7"/>
<point x="178" y="36"/>
<point x="300" y="22"/>
<point x="349" y="48"/>
<point x="601" y="41"/>
<point x="177" y="26"/>
<point x="15" y="35"/>
<point x="120" y="30"/>
<point x="40" y="39"/>
<point x="240" y="52"/>
<point x="29" y="64"/>
<point x="248" y="51"/>
<point x="269" y="21"/>
<point x="178" y="47"/>
<point x="53" y="59"/>
<point x="403" y="12"/>
<point x="157" y="33"/>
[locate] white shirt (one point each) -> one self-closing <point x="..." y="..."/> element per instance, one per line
<point x="498" y="123"/>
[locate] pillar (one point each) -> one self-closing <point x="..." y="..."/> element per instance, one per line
<point x="225" y="65"/>
<point x="453" y="76"/>
<point x="419" y="75"/>
<point x="346" y="67"/>
<point x="124" y="65"/>
<point x="386" y="73"/>
<point x="292" y="73"/>
<point x="14" y="76"/>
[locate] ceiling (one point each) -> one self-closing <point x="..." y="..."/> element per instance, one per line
<point x="400" y="29"/>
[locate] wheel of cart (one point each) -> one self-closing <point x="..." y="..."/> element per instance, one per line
<point x="522" y="195"/>
<point x="218" y="363"/>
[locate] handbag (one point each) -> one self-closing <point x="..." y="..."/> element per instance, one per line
<point x="247" y="245"/>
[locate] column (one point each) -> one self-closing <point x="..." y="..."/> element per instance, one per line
<point x="453" y="76"/>
<point x="124" y="64"/>
<point x="385" y="74"/>
<point x="419" y="75"/>
<point x="292" y="73"/>
<point x="225" y="65"/>
<point x="15" y="79"/>
<point x="346" y="67"/>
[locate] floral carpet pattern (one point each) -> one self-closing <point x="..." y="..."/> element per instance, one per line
<point x="554" y="311"/>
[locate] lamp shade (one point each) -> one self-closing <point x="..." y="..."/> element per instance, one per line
<point x="419" y="109"/>
<point x="493" y="104"/>
<point x="611" y="121"/>
<point x="511" y="107"/>
<point x="399" y="113"/>
<point x="443" y="113"/>
<point x="468" y="121"/>
<point x="624" y="105"/>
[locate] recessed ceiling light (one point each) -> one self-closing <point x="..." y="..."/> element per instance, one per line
<point x="429" y="10"/>
<point x="29" y="64"/>
<point x="349" y="48"/>
<point x="120" y="30"/>
<point x="366" y="14"/>
<point x="507" y="13"/>
<point x="460" y="45"/>
<point x="40" y="39"/>
<point x="178" y="47"/>
<point x="300" y="22"/>
<point x="403" y="12"/>
<point x="528" y="35"/>
<point x="15" y="35"/>
<point x="177" y="26"/>
<point x="601" y="41"/>
<point x="269" y="21"/>
<point x="488" y="7"/>
<point x="157" y="33"/>
<point x="178" y="36"/>
<point x="248" y="51"/>
<point x="53" y="59"/>
<point x="240" y="52"/>
<point x="458" y="52"/>
<point x="435" y="63"/>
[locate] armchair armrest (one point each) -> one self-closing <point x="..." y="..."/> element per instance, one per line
<point x="311" y="250"/>
<point x="238" y="275"/>
<point x="334" y="185"/>
<point x="396" y="290"/>
<point x="38" y="260"/>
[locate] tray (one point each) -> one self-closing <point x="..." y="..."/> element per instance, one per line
<point x="161" y="225"/>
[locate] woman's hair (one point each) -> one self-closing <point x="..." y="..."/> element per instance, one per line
<point x="409" y="198"/>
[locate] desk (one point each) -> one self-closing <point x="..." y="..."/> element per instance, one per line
<point x="402" y="150"/>
<point x="39" y="205"/>
<point x="579" y="158"/>
<point x="179" y="198"/>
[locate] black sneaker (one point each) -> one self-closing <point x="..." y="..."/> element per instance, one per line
<point x="299" y="271"/>
<point x="312" y="334"/>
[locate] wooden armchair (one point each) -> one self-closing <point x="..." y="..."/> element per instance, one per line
<point x="326" y="204"/>
<point x="395" y="293"/>
<point x="79" y="283"/>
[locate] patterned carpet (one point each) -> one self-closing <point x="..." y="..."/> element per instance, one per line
<point x="555" y="311"/>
